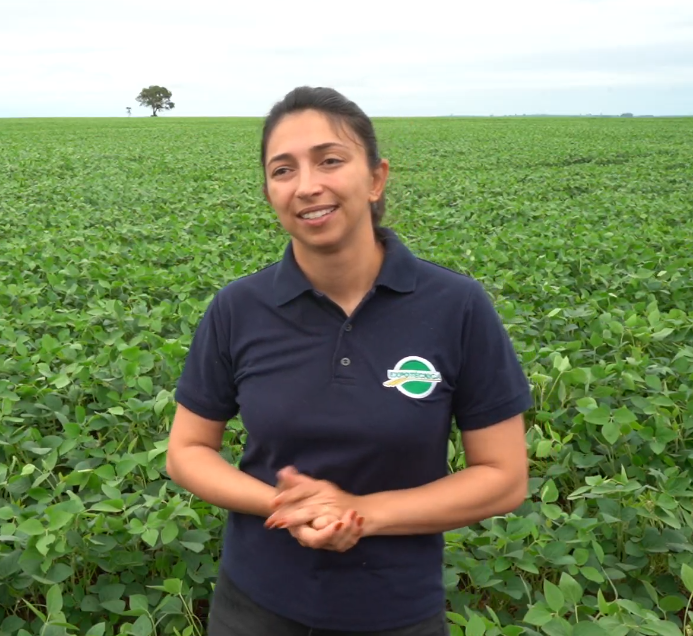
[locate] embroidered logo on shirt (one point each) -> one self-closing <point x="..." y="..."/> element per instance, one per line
<point x="414" y="377"/>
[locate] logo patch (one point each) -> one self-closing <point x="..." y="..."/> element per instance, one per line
<point x="414" y="377"/>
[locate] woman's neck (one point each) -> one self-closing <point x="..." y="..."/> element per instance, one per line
<point x="345" y="275"/>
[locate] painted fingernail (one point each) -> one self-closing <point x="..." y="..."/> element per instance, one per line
<point x="359" y="522"/>
<point x="339" y="526"/>
<point x="353" y="515"/>
<point x="281" y="524"/>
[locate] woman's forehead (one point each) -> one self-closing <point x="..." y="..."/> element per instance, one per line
<point x="300" y="132"/>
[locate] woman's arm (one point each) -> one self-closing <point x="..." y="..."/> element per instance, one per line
<point x="194" y="463"/>
<point x="494" y="483"/>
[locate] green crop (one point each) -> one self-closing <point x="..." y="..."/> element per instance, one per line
<point x="114" y="236"/>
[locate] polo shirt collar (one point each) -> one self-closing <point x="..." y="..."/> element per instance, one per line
<point x="397" y="273"/>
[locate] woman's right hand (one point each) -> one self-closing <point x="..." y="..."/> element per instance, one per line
<point x="329" y="532"/>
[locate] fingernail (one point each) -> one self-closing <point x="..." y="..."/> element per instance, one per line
<point x="339" y="526"/>
<point x="353" y="515"/>
<point x="280" y="524"/>
<point x="359" y="522"/>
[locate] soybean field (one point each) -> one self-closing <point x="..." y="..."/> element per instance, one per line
<point x="116" y="233"/>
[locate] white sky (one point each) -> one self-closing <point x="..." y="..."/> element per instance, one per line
<point x="438" y="57"/>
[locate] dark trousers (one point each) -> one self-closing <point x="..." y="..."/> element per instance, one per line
<point x="233" y="614"/>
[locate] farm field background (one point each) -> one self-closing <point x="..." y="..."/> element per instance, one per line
<point x="115" y="234"/>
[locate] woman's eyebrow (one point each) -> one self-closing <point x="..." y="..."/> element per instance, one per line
<point x="320" y="147"/>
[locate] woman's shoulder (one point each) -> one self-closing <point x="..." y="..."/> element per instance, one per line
<point x="259" y="282"/>
<point x="435" y="274"/>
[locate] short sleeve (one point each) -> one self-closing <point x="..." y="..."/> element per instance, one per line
<point x="206" y="385"/>
<point x="491" y="385"/>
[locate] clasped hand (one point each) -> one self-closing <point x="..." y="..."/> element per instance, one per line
<point x="316" y="513"/>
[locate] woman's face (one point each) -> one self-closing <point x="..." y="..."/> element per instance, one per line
<point x="319" y="182"/>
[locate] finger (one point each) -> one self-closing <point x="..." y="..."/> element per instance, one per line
<point x="316" y="539"/>
<point x="297" y="493"/>
<point x="284" y="477"/>
<point x="349" y="534"/>
<point x="323" y="521"/>
<point x="289" y="477"/>
<point x="295" y="517"/>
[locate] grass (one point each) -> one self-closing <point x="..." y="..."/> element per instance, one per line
<point x="115" y="234"/>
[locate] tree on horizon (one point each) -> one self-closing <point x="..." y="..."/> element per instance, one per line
<point x="157" y="98"/>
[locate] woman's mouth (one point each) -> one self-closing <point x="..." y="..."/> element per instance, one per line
<point x="318" y="216"/>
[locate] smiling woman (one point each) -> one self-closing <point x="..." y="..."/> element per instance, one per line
<point x="337" y="509"/>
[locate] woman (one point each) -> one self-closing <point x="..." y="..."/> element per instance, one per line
<point x="347" y="360"/>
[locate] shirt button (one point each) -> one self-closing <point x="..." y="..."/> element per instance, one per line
<point x="348" y="327"/>
<point x="346" y="362"/>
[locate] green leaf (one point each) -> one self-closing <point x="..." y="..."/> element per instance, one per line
<point x="605" y="607"/>
<point x="554" y="597"/>
<point x="599" y="416"/>
<point x="54" y="600"/>
<point x="664" y="628"/>
<point x="589" y="628"/>
<point x="611" y="431"/>
<point x="142" y="626"/>
<point x="139" y="602"/>
<point x="145" y="383"/>
<point x="592" y="574"/>
<point x="61" y="381"/>
<point x="549" y="492"/>
<point x="687" y="577"/>
<point x="571" y="588"/>
<point x="111" y="592"/>
<point x="97" y="630"/>
<point x="58" y="573"/>
<point x="31" y="526"/>
<point x="150" y="536"/>
<point x="557" y="627"/>
<point x="624" y="416"/>
<point x="169" y="532"/>
<point x="476" y="626"/>
<point x="538" y="615"/>
<point x="544" y="448"/>
<point x="117" y="607"/>
<point x="58" y="518"/>
<point x="654" y="382"/>
<point x="672" y="603"/>
<point x="551" y="511"/>
<point x="198" y="547"/>
<point x="173" y="586"/>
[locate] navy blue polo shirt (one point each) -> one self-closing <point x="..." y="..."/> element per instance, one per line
<point x="365" y="401"/>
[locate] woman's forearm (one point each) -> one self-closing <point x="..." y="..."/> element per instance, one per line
<point x="455" y="501"/>
<point x="205" y="473"/>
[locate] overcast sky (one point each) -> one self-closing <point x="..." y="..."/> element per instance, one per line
<point x="77" y="58"/>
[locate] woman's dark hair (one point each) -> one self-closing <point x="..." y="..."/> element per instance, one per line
<point x="339" y="110"/>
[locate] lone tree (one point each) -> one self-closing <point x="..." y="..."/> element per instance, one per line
<point x="157" y="98"/>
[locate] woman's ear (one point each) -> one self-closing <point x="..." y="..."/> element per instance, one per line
<point x="380" y="175"/>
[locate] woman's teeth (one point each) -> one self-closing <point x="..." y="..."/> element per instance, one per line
<point x="318" y="213"/>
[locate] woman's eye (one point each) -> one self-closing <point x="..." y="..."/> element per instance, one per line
<point x="333" y="161"/>
<point x="279" y="172"/>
